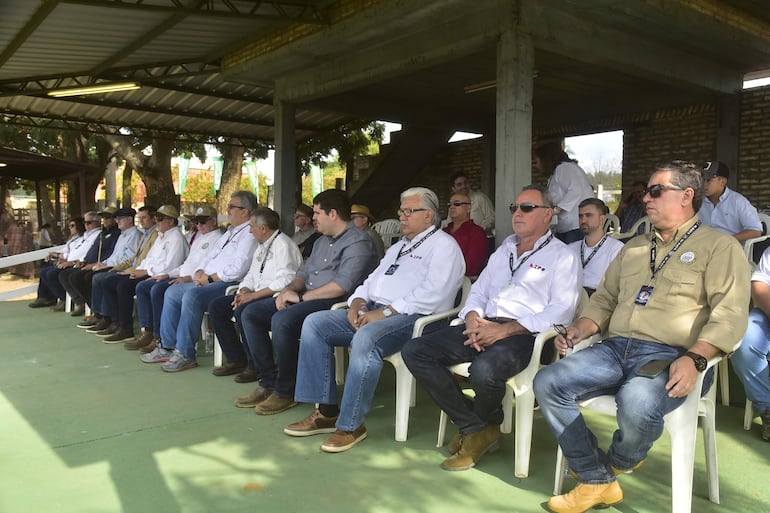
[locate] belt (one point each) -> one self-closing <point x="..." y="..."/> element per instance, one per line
<point x="500" y="319"/>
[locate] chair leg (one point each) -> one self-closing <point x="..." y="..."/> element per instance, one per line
<point x="217" y="353"/>
<point x="525" y="405"/>
<point x="67" y="303"/>
<point x="682" y="459"/>
<point x="708" y="421"/>
<point x="441" y="429"/>
<point x="339" y="364"/>
<point x="561" y="469"/>
<point x="404" y="391"/>
<point x="748" y="415"/>
<point x="723" y="369"/>
<point x="507" y="411"/>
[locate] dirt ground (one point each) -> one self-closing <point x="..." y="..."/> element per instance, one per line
<point x="10" y="282"/>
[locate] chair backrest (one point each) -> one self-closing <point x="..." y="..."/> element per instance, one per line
<point x="612" y="224"/>
<point x="765" y="220"/>
<point x="643" y="225"/>
<point x="755" y="247"/>
<point x="389" y="229"/>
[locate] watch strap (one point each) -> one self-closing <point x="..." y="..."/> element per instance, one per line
<point x="700" y="361"/>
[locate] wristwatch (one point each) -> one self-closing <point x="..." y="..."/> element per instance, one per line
<point x="299" y="296"/>
<point x="211" y="280"/>
<point x="387" y="312"/>
<point x="700" y="362"/>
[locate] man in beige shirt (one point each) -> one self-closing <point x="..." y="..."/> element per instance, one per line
<point x="677" y="297"/>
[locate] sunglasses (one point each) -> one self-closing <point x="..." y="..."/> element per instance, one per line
<point x="525" y="207"/>
<point x="457" y="203"/>
<point x="656" y="190"/>
<point x="72" y="225"/>
<point x="230" y="207"/>
<point x="90" y="222"/>
<point x="407" y="212"/>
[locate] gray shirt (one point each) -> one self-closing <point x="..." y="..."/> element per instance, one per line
<point x="345" y="260"/>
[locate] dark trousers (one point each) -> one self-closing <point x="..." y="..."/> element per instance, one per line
<point x="429" y="356"/>
<point x="49" y="286"/>
<point x="118" y="292"/>
<point x="221" y="314"/>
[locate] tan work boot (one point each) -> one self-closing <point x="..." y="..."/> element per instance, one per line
<point x="586" y="496"/>
<point x="473" y="447"/>
<point x="455" y="443"/>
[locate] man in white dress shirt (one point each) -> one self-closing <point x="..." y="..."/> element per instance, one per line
<point x="531" y="282"/>
<point x="169" y="251"/>
<point x="276" y="260"/>
<point x="597" y="249"/>
<point x="150" y="293"/>
<point x="724" y="209"/>
<point x="184" y="304"/>
<point x="418" y="276"/>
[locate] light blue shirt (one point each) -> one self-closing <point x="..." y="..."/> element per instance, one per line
<point x="125" y="247"/>
<point x="731" y="215"/>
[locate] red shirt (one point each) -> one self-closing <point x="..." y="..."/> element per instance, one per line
<point x="473" y="243"/>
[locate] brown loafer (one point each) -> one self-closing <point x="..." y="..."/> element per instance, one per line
<point x="78" y="311"/>
<point x="140" y="342"/>
<point x="246" y="376"/>
<point x="229" y="369"/>
<point x="274" y="404"/>
<point x="254" y="398"/>
<point x="149" y="348"/>
<point x="341" y="441"/>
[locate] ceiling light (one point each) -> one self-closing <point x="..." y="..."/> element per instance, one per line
<point x="95" y="89"/>
<point x="3" y="164"/>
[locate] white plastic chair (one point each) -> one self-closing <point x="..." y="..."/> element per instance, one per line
<point x="520" y="387"/>
<point x="750" y="247"/>
<point x="406" y="386"/>
<point x="388" y="230"/>
<point x="748" y="415"/>
<point x="643" y="223"/>
<point x="765" y="220"/>
<point x="682" y="426"/>
<point x="232" y="289"/>
<point x="612" y="224"/>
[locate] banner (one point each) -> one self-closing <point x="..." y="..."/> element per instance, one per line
<point x="218" y="164"/>
<point x="184" y="167"/>
<point x="251" y="168"/>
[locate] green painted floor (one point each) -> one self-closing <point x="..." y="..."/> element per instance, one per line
<point x="86" y="427"/>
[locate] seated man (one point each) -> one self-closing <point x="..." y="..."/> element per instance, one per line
<point x="724" y="209"/>
<point x="417" y="277"/>
<point x="678" y="294"/>
<point x="168" y="252"/>
<point x="482" y="210"/>
<point x="597" y="249"/>
<point x="750" y="360"/>
<point x="276" y="260"/>
<point x="631" y="208"/>
<point x="363" y="220"/>
<point x="531" y="282"/>
<point x="185" y="303"/>
<point x="150" y="292"/>
<point x="108" y="326"/>
<point x="469" y="236"/>
<point x="340" y="261"/>
<point x="305" y="235"/>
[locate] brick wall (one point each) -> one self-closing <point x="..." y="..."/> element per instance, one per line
<point x="754" y="146"/>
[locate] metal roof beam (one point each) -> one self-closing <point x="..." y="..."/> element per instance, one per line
<point x="28" y="29"/>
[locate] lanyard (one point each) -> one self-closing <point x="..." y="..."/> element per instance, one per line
<point x="521" y="262"/>
<point x="596" y="248"/>
<point x="267" y="252"/>
<point x="231" y="237"/>
<point x="654" y="250"/>
<point x="414" y="246"/>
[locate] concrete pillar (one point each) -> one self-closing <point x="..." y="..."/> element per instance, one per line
<point x="513" y="140"/>
<point x="285" y="164"/>
<point x="110" y="183"/>
<point x="488" y="162"/>
<point x="728" y="123"/>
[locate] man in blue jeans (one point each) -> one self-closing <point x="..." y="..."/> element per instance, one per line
<point x="342" y="257"/>
<point x="750" y="360"/>
<point x="185" y="303"/>
<point x="418" y="276"/>
<point x="679" y="295"/>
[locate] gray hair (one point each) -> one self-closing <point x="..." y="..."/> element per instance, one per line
<point x="248" y="200"/>
<point x="428" y="199"/>
<point x="685" y="175"/>
<point x="267" y="216"/>
<point x="95" y="215"/>
<point x="547" y="200"/>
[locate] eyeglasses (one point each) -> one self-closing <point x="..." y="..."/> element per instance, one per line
<point x="457" y="203"/>
<point x="407" y="212"/>
<point x="230" y="207"/>
<point x="561" y="329"/>
<point x="525" y="207"/>
<point x="72" y="225"/>
<point x="89" y="222"/>
<point x="656" y="190"/>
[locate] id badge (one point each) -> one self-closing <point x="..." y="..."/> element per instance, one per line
<point x="391" y="270"/>
<point x="644" y="295"/>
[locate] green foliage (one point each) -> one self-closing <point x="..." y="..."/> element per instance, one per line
<point x="330" y="174"/>
<point x="610" y="180"/>
<point x="200" y="188"/>
<point x="347" y="141"/>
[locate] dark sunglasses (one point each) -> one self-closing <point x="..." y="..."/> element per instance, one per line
<point x="525" y="207"/>
<point x="457" y="203"/>
<point x="656" y="190"/>
<point x="90" y="222"/>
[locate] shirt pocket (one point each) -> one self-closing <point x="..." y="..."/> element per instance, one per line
<point x="630" y="284"/>
<point x="679" y="286"/>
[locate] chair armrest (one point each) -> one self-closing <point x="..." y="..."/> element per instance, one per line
<point x="424" y="321"/>
<point x="232" y="289"/>
<point x="339" y="306"/>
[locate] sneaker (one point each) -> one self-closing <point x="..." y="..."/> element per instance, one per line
<point x="766" y="425"/>
<point x="149" y="348"/>
<point x="473" y="447"/>
<point x="254" y="398"/>
<point x="158" y="355"/>
<point x="118" y="337"/>
<point x="103" y="324"/>
<point x="178" y="362"/>
<point x="313" y="424"/>
<point x="586" y="496"/>
<point x="274" y="404"/>
<point x="341" y="441"/>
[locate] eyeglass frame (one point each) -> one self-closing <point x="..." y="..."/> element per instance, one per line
<point x="407" y="212"/>
<point x="230" y="207"/>
<point x="457" y="203"/>
<point x="525" y="207"/>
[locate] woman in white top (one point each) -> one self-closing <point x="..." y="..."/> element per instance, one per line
<point x="568" y="185"/>
<point x="48" y="289"/>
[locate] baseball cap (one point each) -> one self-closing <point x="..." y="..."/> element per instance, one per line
<point x="203" y="213"/>
<point x="164" y="211"/>
<point x="715" y="168"/>
<point x="124" y="212"/>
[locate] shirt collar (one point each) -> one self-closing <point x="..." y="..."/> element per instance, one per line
<point x="679" y="231"/>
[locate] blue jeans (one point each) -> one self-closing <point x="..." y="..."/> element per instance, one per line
<point x="149" y="304"/>
<point x="221" y="314"/>
<point x="602" y="369"/>
<point x="321" y="332"/>
<point x="750" y="360"/>
<point x="183" y="307"/>
<point x="259" y="318"/>
<point x="49" y="286"/>
<point x="429" y="356"/>
<point x="98" y="303"/>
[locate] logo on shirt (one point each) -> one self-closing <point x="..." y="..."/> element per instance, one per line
<point x="537" y="267"/>
<point x="205" y="245"/>
<point x="416" y="257"/>
<point x="687" y="257"/>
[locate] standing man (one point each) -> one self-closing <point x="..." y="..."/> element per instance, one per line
<point x="418" y="277"/>
<point x="750" y="360"/>
<point x="341" y="259"/>
<point x="597" y="249"/>
<point x="469" y="236"/>
<point x="531" y="282"/>
<point x="482" y="209"/>
<point x="150" y="293"/>
<point x="724" y="209"/>
<point x="276" y="261"/>
<point x="678" y="294"/>
<point x="185" y="303"/>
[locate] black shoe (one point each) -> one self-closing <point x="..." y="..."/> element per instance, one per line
<point x="78" y="311"/>
<point x="89" y="323"/>
<point x="247" y="376"/>
<point x="103" y="324"/>
<point x="42" y="302"/>
<point x="229" y="369"/>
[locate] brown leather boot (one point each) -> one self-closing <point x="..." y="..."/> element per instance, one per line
<point x="473" y="447"/>
<point x="142" y="341"/>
